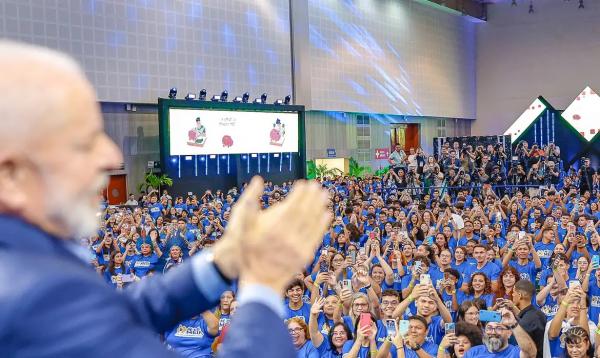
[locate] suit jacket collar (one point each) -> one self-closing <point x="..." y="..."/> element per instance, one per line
<point x="18" y="235"/>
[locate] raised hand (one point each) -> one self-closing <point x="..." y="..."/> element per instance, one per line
<point x="317" y="306"/>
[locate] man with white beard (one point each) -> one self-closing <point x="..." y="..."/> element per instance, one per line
<point x="495" y="340"/>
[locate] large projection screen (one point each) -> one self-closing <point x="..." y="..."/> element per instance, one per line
<point x="201" y="132"/>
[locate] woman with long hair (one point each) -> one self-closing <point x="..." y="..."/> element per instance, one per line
<point x="480" y="287"/>
<point x="578" y="343"/>
<point x="329" y="343"/>
<point x="223" y="311"/>
<point x="468" y="312"/>
<point x="116" y="267"/>
<point x="508" y="277"/>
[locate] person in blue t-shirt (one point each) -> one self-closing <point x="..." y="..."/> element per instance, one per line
<point x="414" y="344"/>
<point x="295" y="306"/>
<point x="330" y="343"/>
<point x="545" y="248"/>
<point x="365" y="343"/>
<point x="491" y="270"/>
<point x="569" y="311"/>
<point x="301" y="338"/>
<point x="480" y="287"/>
<point x="495" y="340"/>
<point x="155" y="208"/>
<point x="592" y="287"/>
<point x="527" y="268"/>
<point x="116" y="267"/>
<point x="193" y="338"/>
<point x="145" y="262"/>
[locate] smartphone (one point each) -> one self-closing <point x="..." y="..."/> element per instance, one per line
<point x="595" y="261"/>
<point x="353" y="256"/>
<point x="347" y="284"/>
<point x="574" y="284"/>
<point x="324" y="266"/>
<point x="403" y="327"/>
<point x="490" y="316"/>
<point x="429" y="241"/>
<point x="363" y="251"/>
<point x="522" y="235"/>
<point x="190" y="193"/>
<point x="365" y="320"/>
<point x="390" y="326"/>
<point x="450" y="328"/>
<point x="425" y="279"/>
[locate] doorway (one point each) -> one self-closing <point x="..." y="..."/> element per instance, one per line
<point x="405" y="135"/>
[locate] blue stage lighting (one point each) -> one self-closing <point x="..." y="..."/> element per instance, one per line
<point x="202" y="159"/>
<point x="244" y="157"/>
<point x="174" y="160"/>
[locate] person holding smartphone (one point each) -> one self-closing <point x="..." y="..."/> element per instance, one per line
<point x="329" y="343"/>
<point x="456" y="344"/>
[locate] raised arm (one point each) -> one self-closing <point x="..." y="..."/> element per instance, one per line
<point x="313" y="324"/>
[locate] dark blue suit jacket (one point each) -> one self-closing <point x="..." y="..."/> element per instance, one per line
<point x="52" y="304"/>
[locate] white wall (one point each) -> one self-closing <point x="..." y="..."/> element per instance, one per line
<point x="135" y="50"/>
<point x="554" y="52"/>
<point x="389" y="56"/>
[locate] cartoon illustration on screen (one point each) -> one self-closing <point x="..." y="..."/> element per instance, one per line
<point x="197" y="135"/>
<point x="227" y="141"/>
<point x="277" y="135"/>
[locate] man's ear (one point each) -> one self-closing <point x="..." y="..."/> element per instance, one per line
<point x="13" y="194"/>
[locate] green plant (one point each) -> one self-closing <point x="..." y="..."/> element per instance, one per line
<point x="153" y="181"/>
<point x="314" y="171"/>
<point x="382" y="171"/>
<point x="357" y="170"/>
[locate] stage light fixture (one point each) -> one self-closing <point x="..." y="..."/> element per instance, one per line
<point x="514" y="3"/>
<point x="224" y="95"/>
<point x="237" y="99"/>
<point x="287" y="100"/>
<point x="190" y="97"/>
<point x="581" y="4"/>
<point x="245" y="97"/>
<point x="202" y="96"/>
<point x="278" y="102"/>
<point x="216" y="98"/>
<point x="173" y="93"/>
<point x="531" y="11"/>
<point x="263" y="98"/>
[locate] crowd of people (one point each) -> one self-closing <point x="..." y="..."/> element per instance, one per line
<point x="469" y="253"/>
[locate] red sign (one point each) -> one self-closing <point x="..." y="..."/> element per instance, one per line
<point x="382" y="153"/>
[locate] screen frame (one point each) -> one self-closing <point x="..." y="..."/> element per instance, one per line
<point x="165" y="104"/>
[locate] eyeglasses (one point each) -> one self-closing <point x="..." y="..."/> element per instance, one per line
<point x="497" y="329"/>
<point x="388" y="303"/>
<point x="295" y="330"/>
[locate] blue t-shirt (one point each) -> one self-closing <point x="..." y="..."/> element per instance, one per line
<point x="308" y="350"/>
<point x="303" y="312"/>
<point x="526" y="272"/>
<point x="430" y="348"/>
<point x="362" y="353"/>
<point x="549" y="307"/>
<point x="544" y="251"/>
<point x="491" y="270"/>
<point x="111" y="278"/>
<point x="155" y="210"/>
<point x="141" y="264"/>
<point x="488" y="298"/>
<point x="594" y="294"/>
<point x="190" y="338"/>
<point x="482" y="352"/>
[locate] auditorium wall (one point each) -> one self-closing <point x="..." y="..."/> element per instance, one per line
<point x="553" y="52"/>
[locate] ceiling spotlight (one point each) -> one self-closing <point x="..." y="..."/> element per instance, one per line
<point x="173" y="93"/>
<point x="216" y="98"/>
<point x="190" y="97"/>
<point x="263" y="98"/>
<point x="581" y="4"/>
<point x="245" y="97"/>
<point x="278" y="101"/>
<point x="202" y="96"/>
<point x="287" y="100"/>
<point x="514" y="3"/>
<point x="224" y="95"/>
<point x="531" y="11"/>
<point x="237" y="99"/>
